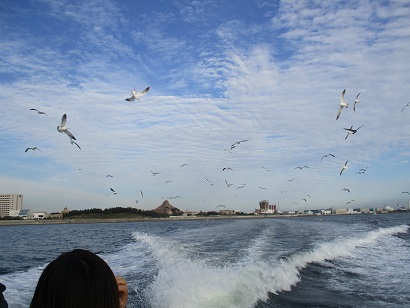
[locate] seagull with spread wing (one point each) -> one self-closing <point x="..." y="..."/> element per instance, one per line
<point x="343" y="168"/>
<point x="351" y="130"/>
<point x="356" y="101"/>
<point x="135" y="95"/>
<point x="33" y="149"/>
<point x="212" y="184"/>
<point x="327" y="156"/>
<point x="227" y="184"/>
<point x="64" y="129"/>
<point x="38" y="111"/>
<point x="343" y="104"/>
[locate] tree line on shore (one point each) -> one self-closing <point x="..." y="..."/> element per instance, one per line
<point x="119" y="212"/>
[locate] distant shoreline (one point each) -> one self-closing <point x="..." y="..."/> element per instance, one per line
<point x="116" y="220"/>
<point x="150" y="219"/>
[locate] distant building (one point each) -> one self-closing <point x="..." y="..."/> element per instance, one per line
<point x="10" y="202"/>
<point x="40" y="215"/>
<point x="25" y="214"/>
<point x="55" y="215"/>
<point x="326" y="212"/>
<point x="340" y="211"/>
<point x="226" y="212"/>
<point x="266" y="208"/>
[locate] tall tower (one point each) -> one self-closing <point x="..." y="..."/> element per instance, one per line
<point x="264" y="205"/>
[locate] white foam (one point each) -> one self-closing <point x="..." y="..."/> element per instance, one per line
<point x="186" y="282"/>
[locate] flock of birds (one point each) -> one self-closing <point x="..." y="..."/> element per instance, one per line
<point x="135" y="95"/>
<point x="62" y="128"/>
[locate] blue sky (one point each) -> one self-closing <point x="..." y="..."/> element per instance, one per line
<point x="265" y="71"/>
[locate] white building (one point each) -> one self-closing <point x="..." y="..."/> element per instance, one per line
<point x="40" y="215"/>
<point x="10" y="202"/>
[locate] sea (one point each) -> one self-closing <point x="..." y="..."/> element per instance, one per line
<point x="317" y="261"/>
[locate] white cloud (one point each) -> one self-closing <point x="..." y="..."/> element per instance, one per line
<point x="207" y="92"/>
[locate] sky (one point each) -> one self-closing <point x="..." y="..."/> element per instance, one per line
<point x="219" y="72"/>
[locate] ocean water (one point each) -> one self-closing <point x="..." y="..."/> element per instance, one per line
<point x="333" y="261"/>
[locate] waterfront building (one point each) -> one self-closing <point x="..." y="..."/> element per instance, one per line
<point x="266" y="208"/>
<point x="25" y="214"/>
<point x="340" y="211"/>
<point x="10" y="202"/>
<point x="40" y="215"/>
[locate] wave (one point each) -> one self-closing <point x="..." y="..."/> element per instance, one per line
<point x="184" y="280"/>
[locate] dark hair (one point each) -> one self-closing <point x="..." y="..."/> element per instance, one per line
<point x="77" y="279"/>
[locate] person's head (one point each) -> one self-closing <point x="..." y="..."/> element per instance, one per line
<point x="77" y="279"/>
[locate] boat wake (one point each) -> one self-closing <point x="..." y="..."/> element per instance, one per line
<point x="184" y="280"/>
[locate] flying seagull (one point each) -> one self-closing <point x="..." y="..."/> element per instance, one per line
<point x="142" y="194"/>
<point x="356" y="101"/>
<point x="242" y="186"/>
<point x="34" y="148"/>
<point x="405" y="192"/>
<point x="327" y="156"/>
<point x="408" y="104"/>
<point x="184" y="165"/>
<point x="226" y="168"/>
<point x="154" y="173"/>
<point x="300" y="168"/>
<point x="208" y="181"/>
<point x="136" y="95"/>
<point x="38" y="111"/>
<point x="343" y="168"/>
<point x="291" y="180"/>
<point x="226" y="184"/>
<point x="351" y="130"/>
<point x="260" y="187"/>
<point x="63" y="128"/>
<point x="73" y="142"/>
<point x="114" y="192"/>
<point x="221" y="205"/>
<point x="236" y="143"/>
<point x="362" y="171"/>
<point x="346" y="189"/>
<point x="343" y="104"/>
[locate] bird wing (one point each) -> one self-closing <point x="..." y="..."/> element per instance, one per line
<point x="145" y="91"/>
<point x="342" y="97"/>
<point x="72" y="142"/>
<point x="69" y="134"/>
<point x="132" y="98"/>
<point x="63" y="120"/>
<point x="339" y="112"/>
